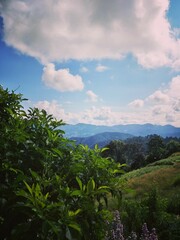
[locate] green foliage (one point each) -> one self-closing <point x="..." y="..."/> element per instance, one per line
<point x="156" y="148"/>
<point x="155" y="211"/>
<point x="154" y="198"/>
<point x="172" y="147"/>
<point x="50" y="188"/>
<point x="116" y="150"/>
<point x="137" y="152"/>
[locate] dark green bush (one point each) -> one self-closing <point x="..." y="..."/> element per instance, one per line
<point x="50" y="188"/>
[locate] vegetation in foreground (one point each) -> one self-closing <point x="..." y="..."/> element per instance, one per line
<point x="153" y="197"/>
<point x="51" y="188"/>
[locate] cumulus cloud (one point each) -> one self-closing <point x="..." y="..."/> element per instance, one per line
<point x="170" y="95"/>
<point x="54" y="108"/>
<point x="61" y="80"/>
<point x="92" y="97"/>
<point x="162" y="105"/>
<point x="107" y="116"/>
<point x="158" y="110"/>
<point x="101" y="68"/>
<point x="58" y="30"/>
<point x="138" y="103"/>
<point x="159" y="97"/>
<point x="174" y="87"/>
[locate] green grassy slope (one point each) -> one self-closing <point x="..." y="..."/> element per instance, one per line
<point x="163" y="174"/>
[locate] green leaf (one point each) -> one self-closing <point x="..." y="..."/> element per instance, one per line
<point x="46" y="196"/>
<point x="123" y="165"/>
<point x="13" y="170"/>
<point x="22" y="193"/>
<point x="103" y="187"/>
<point x="28" y="187"/>
<point x="57" y="151"/>
<point x="75" y="226"/>
<point x="37" y="190"/>
<point x="34" y="174"/>
<point x="74" y="213"/>
<point x="76" y="193"/>
<point x="96" y="147"/>
<point x="104" y="149"/>
<point x="90" y="186"/>
<point x="118" y="171"/>
<point x="79" y="183"/>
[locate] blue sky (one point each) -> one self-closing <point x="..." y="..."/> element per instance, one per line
<point x="100" y="62"/>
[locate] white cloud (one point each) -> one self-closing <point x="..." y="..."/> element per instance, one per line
<point x="101" y="68"/>
<point x="176" y="106"/>
<point x="174" y="87"/>
<point x="169" y="95"/>
<point x="54" y="108"/>
<point x="162" y="106"/>
<point x="158" y="110"/>
<point x="138" y="103"/>
<point x="107" y="116"/>
<point x="170" y="117"/>
<point x="61" y="80"/>
<point x="58" y="30"/>
<point x="158" y="97"/>
<point x="92" y="97"/>
<point x="154" y="59"/>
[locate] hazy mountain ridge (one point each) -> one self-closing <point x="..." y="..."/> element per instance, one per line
<point x="101" y="139"/>
<point x="87" y="130"/>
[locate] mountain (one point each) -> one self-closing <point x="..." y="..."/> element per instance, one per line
<point x="87" y="130"/>
<point x="101" y="139"/>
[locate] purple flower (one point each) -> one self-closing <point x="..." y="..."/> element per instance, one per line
<point x="153" y="235"/>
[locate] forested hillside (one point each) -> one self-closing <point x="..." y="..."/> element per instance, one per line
<point x="101" y="139"/>
<point x="137" y="152"/>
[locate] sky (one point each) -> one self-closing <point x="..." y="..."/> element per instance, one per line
<point x="94" y="61"/>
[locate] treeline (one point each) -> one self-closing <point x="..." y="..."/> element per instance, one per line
<point x="137" y="152"/>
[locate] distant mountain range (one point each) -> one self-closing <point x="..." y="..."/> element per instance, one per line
<point x="82" y="130"/>
<point x="101" y="139"/>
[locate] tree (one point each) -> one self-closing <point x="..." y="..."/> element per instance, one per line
<point x="172" y="147"/>
<point x="116" y="150"/>
<point x="156" y="148"/>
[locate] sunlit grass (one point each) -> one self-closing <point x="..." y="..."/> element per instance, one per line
<point x="163" y="174"/>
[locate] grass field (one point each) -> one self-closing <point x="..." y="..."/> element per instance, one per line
<point x="163" y="174"/>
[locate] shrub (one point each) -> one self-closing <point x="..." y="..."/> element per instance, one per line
<point x="50" y="188"/>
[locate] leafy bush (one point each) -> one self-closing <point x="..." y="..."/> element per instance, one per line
<point x="50" y="188"/>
